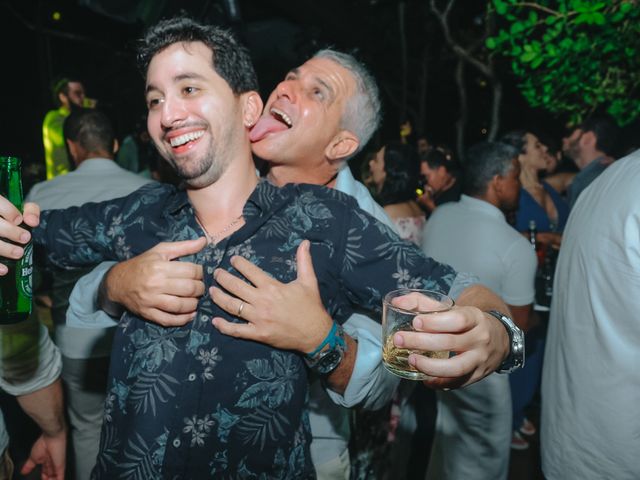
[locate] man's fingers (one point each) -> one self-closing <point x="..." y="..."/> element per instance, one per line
<point x="306" y="272"/>
<point x="13" y="233"/>
<point x="9" y="212"/>
<point x="451" y="321"/>
<point x="171" y="250"/>
<point x="31" y="214"/>
<point x="169" y="319"/>
<point x="231" y="304"/>
<point x="234" y="285"/>
<point x="454" y="367"/>
<point x="184" y="288"/>
<point x="237" y="330"/>
<point x="176" y="305"/>
<point x="251" y="272"/>
<point x="28" y="466"/>
<point x="426" y="342"/>
<point x="179" y="270"/>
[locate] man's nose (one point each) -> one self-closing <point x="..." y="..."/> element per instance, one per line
<point x="287" y="89"/>
<point x="173" y="111"/>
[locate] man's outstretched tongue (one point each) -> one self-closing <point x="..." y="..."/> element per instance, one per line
<point x="267" y="124"/>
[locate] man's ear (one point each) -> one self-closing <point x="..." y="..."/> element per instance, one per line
<point x="63" y="99"/>
<point x="342" y="145"/>
<point x="252" y="108"/>
<point x="494" y="187"/>
<point x="73" y="149"/>
<point x="588" y="139"/>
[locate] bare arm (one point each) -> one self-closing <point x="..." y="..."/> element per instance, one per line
<point x="45" y="407"/>
<point x="560" y="181"/>
<point x="524" y="316"/>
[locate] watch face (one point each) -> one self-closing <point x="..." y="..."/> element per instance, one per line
<point x="330" y="361"/>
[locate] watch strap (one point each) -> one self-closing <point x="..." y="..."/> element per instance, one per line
<point x="515" y="359"/>
<point x="328" y="355"/>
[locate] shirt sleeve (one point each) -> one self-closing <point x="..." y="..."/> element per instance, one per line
<point x="370" y="385"/>
<point x="377" y="261"/>
<point x="518" y="287"/>
<point x="83" y="309"/>
<point x="95" y="232"/>
<point x="29" y="359"/>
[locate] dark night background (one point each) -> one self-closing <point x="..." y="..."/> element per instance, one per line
<point x="94" y="40"/>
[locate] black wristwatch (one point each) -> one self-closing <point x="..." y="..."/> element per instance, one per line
<point x="515" y="359"/>
<point x="326" y="358"/>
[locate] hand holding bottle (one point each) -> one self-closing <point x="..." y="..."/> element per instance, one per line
<point x="15" y="244"/>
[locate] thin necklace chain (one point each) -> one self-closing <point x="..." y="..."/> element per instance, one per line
<point x="212" y="239"/>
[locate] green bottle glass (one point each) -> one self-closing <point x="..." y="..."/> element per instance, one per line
<point x="15" y="286"/>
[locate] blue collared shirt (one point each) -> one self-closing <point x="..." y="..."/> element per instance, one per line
<point x="190" y="402"/>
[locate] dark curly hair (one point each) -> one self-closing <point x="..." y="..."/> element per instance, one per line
<point x="230" y="59"/>
<point x="402" y="166"/>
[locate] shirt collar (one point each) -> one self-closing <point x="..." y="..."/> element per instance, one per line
<point x="264" y="198"/>
<point x="482" y="205"/>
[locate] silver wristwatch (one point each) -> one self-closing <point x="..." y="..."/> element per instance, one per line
<point x="515" y="359"/>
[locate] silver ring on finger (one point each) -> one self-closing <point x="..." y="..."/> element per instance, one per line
<point x="240" y="307"/>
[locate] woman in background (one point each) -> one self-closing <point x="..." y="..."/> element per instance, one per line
<point x="542" y="204"/>
<point x="538" y="200"/>
<point x="395" y="173"/>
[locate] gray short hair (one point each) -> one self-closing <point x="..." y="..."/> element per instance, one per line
<point x="484" y="161"/>
<point x="363" y="110"/>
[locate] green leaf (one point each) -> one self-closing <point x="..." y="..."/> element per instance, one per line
<point x="491" y="43"/>
<point x="625" y="7"/>
<point x="516" y="28"/>
<point x="501" y="7"/>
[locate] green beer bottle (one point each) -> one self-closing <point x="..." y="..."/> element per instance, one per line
<point x="15" y="286"/>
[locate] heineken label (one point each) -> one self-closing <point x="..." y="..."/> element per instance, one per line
<point x="26" y="269"/>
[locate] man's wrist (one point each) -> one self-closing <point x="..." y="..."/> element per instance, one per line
<point x="110" y="307"/>
<point x="326" y="357"/>
<point x="516" y="353"/>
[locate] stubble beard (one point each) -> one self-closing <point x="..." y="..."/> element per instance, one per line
<point x="206" y="171"/>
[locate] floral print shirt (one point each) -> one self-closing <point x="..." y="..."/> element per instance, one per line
<point x="190" y="402"/>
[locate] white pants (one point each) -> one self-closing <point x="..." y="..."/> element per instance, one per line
<point x="85" y="384"/>
<point x="473" y="432"/>
<point x="336" y="469"/>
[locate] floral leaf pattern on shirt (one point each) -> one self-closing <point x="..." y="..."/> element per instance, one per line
<point x="226" y="420"/>
<point x="266" y="424"/>
<point x="199" y="428"/>
<point x="142" y="459"/>
<point x="196" y="340"/>
<point x="110" y="444"/>
<point x="276" y="385"/>
<point x="152" y="347"/>
<point x="150" y="389"/>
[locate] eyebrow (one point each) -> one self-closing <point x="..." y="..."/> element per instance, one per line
<point x="178" y="78"/>
<point x="296" y="73"/>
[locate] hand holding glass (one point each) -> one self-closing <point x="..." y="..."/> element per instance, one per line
<point x="396" y="318"/>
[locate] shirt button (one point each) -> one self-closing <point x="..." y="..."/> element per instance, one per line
<point x="177" y="443"/>
<point x="192" y="377"/>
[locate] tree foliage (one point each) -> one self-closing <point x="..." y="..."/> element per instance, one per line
<point x="573" y="57"/>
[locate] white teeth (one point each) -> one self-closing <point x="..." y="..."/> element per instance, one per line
<point x="187" y="137"/>
<point x="283" y="116"/>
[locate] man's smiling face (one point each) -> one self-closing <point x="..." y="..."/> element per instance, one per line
<point x="193" y="115"/>
<point x="304" y="113"/>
